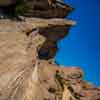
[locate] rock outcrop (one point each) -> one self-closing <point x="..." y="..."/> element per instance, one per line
<point x="27" y="69"/>
<point x="4" y="3"/>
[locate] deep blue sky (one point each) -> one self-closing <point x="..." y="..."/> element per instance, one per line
<point x="82" y="46"/>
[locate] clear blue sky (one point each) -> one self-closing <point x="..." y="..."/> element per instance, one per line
<point x="82" y="46"/>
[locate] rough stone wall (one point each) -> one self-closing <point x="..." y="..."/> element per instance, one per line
<point x="35" y="8"/>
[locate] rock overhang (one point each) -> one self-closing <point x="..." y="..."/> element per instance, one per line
<point x="51" y="30"/>
<point x="17" y="63"/>
<point x="40" y="9"/>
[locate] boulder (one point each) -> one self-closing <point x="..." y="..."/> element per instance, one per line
<point x="44" y="10"/>
<point x="27" y="49"/>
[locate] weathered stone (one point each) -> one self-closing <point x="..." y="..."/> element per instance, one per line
<point x="34" y="8"/>
<point x="46" y="28"/>
<point x="27" y="49"/>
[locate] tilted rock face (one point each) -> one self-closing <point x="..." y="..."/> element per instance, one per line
<point x="24" y="77"/>
<point x="35" y="8"/>
<point x="27" y="69"/>
<point x="18" y="54"/>
<point x="43" y="33"/>
<point x="45" y="9"/>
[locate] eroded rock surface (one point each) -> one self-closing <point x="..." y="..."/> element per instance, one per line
<point x="40" y="32"/>
<point x="36" y="8"/>
<point x="24" y="76"/>
<point x="27" y="49"/>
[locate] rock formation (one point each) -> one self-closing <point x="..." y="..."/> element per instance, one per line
<point x="27" y="49"/>
<point x="37" y="8"/>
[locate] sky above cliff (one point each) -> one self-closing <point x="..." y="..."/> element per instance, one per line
<point x="82" y="46"/>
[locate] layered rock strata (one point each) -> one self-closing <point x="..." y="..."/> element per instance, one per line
<point x="27" y="69"/>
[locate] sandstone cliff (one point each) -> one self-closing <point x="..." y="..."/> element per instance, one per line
<point x="27" y="69"/>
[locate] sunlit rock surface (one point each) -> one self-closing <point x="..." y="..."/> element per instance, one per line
<point x="27" y="69"/>
<point x="7" y="2"/>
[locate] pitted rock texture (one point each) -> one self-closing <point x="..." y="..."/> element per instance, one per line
<point x="27" y="49"/>
<point x="24" y="76"/>
<point x="36" y="8"/>
<point x="40" y="33"/>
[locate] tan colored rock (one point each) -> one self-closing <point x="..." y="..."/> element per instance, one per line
<point x="20" y="79"/>
<point x="67" y="95"/>
<point x="25" y="76"/>
<point x="46" y="31"/>
<point x="18" y="54"/>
